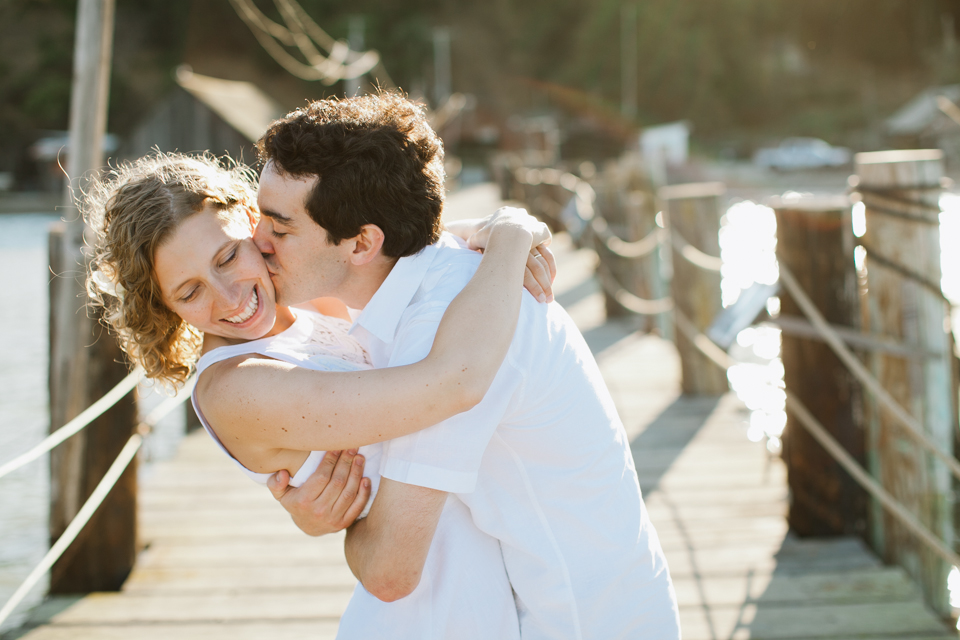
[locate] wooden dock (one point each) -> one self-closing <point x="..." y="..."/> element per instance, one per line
<point x="223" y="561"/>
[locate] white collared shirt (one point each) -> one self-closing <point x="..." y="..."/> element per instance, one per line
<point x="543" y="462"/>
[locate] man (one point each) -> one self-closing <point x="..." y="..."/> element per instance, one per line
<point x="350" y="196"/>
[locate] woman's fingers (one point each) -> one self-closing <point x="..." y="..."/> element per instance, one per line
<point x="537" y="279"/>
<point x="550" y="259"/>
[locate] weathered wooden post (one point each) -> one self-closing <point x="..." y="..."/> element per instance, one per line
<point x="815" y="240"/>
<point x="628" y="211"/>
<point x="901" y="191"/>
<point x="693" y="214"/>
<point x="85" y="362"/>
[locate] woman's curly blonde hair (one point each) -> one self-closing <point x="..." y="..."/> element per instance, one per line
<point x="132" y="210"/>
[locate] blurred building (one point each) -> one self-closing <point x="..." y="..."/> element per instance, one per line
<point x="922" y="124"/>
<point x="205" y="114"/>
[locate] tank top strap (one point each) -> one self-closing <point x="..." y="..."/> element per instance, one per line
<point x="297" y="333"/>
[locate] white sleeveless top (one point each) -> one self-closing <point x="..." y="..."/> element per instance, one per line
<point x="313" y="341"/>
<point x="464" y="593"/>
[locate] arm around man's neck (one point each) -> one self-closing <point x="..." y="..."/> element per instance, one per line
<point x="387" y="550"/>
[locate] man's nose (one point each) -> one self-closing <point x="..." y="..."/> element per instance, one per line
<point x="261" y="238"/>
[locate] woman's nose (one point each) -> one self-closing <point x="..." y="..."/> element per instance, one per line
<point x="230" y="294"/>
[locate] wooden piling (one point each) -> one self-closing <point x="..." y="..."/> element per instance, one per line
<point x="103" y="554"/>
<point x="693" y="212"/>
<point x="626" y="204"/>
<point x="903" y="238"/>
<point x="815" y="240"/>
<point x="85" y="361"/>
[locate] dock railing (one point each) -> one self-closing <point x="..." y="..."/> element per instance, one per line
<point x="580" y="215"/>
<point x="105" y="485"/>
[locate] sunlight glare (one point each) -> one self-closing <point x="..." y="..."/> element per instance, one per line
<point x="859" y="219"/>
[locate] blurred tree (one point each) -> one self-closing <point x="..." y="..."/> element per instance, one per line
<point x="736" y="68"/>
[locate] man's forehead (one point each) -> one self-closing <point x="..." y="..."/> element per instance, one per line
<point x="283" y="197"/>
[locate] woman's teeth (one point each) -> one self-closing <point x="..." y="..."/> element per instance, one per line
<point x="247" y="313"/>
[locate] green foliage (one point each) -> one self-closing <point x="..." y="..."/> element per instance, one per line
<point x="755" y="67"/>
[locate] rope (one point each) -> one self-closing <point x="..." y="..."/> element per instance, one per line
<point x="869" y="196"/>
<point x="106" y="483"/>
<point x="906" y="272"/>
<point x="913" y="427"/>
<point x="628" y="300"/>
<point x="87" y="416"/>
<point x="83" y="516"/>
<point x="870" y="485"/>
<point x="622" y="248"/>
<point x="828" y="442"/>
<point x="328" y="69"/>
<point x="693" y="255"/>
<point x="893" y="194"/>
<point x="161" y="410"/>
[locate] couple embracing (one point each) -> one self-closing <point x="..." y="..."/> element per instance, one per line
<point x="330" y="312"/>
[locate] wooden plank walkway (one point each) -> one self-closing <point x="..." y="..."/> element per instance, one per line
<point x="223" y="561"/>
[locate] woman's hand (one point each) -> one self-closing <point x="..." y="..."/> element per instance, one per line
<point x="541" y="267"/>
<point x="328" y="501"/>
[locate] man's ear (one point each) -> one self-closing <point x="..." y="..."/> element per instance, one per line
<point x="367" y="244"/>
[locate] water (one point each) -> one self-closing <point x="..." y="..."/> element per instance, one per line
<point x="23" y="400"/>
<point x="24" y="418"/>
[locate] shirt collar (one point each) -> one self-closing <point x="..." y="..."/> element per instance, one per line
<point x="382" y="314"/>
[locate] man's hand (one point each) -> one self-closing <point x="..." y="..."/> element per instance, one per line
<point x="331" y="499"/>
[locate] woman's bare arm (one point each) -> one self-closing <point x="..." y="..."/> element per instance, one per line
<point x="261" y="403"/>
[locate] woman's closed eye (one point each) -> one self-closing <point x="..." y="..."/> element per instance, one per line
<point x="230" y="258"/>
<point x="191" y="295"/>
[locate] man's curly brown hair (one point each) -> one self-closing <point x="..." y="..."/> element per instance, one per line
<point x="132" y="210"/>
<point x="378" y="162"/>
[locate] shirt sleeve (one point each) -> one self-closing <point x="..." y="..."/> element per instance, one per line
<point x="447" y="455"/>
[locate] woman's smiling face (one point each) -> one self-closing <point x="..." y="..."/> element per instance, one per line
<point x="212" y="275"/>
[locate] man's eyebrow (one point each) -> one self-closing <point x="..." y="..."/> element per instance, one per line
<point x="279" y="217"/>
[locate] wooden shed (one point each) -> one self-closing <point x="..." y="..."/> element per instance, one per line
<point x="920" y="124"/>
<point x="205" y="114"/>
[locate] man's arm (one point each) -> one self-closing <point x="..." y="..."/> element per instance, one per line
<point x="387" y="550"/>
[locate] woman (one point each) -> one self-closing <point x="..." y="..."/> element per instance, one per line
<point x="175" y="246"/>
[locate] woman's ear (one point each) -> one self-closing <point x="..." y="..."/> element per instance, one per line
<point x="367" y="244"/>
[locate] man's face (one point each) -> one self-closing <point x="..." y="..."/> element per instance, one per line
<point x="303" y="264"/>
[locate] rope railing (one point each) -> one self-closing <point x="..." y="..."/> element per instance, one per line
<point x="106" y="483"/>
<point x="911" y="424"/>
<point x="622" y="248"/>
<point x="86" y="416"/>
<point x="76" y="525"/>
<point x="826" y="333"/>
<point x="860" y="475"/>
<point x="693" y="255"/>
<point x="629" y="300"/>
